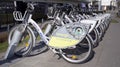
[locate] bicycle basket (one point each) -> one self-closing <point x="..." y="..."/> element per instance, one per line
<point x="17" y="16"/>
<point x="68" y="35"/>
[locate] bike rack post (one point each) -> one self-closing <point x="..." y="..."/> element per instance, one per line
<point x="14" y="42"/>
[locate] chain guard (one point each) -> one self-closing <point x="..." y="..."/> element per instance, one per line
<point x="68" y="35"/>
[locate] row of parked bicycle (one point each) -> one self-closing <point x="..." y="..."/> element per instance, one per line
<point x="69" y="33"/>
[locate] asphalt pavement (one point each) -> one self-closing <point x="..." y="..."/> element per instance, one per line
<point x="107" y="54"/>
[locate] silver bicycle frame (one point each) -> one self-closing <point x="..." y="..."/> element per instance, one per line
<point x="43" y="37"/>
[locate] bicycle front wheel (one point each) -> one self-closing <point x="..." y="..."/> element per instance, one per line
<point x="26" y="42"/>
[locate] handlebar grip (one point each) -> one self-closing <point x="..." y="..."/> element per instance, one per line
<point x="30" y="6"/>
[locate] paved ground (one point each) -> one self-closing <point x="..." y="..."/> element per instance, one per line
<point x="107" y="54"/>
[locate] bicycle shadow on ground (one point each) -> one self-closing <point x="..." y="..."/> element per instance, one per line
<point x="38" y="49"/>
<point x="10" y="60"/>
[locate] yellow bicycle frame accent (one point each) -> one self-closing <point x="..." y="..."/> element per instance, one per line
<point x="59" y="42"/>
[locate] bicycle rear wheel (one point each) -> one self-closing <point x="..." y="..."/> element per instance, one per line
<point x="94" y="35"/>
<point x="26" y="42"/>
<point x="78" y="54"/>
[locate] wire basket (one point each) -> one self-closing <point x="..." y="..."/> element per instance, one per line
<point x="18" y="16"/>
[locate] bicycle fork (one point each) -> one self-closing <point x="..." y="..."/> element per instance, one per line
<point x="14" y="42"/>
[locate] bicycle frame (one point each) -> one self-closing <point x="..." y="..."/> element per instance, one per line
<point x="35" y="25"/>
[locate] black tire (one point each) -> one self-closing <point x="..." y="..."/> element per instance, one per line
<point x="100" y="33"/>
<point x="95" y="38"/>
<point x="79" y="51"/>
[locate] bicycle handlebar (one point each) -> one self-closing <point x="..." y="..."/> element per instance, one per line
<point x="30" y="7"/>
